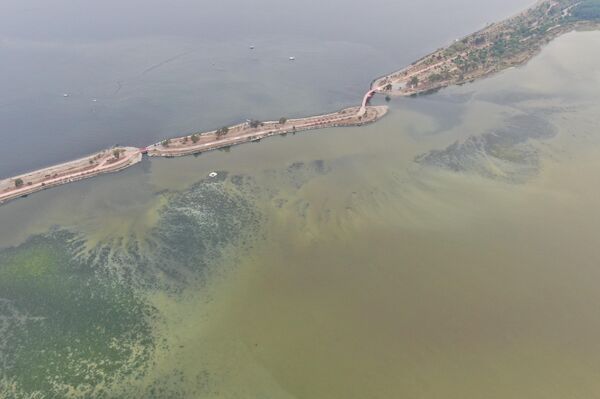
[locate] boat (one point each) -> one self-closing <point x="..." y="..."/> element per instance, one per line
<point x="292" y="58"/>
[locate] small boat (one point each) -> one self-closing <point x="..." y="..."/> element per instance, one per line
<point x="292" y="58"/>
<point x="212" y="174"/>
<point x="94" y="100"/>
<point x="66" y="94"/>
<point x="251" y="47"/>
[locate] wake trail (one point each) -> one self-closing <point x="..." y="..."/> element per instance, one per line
<point x="165" y="62"/>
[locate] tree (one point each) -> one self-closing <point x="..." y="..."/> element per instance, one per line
<point x="116" y="153"/>
<point x="388" y="87"/>
<point x="414" y="81"/>
<point x="185" y="139"/>
<point x="165" y="143"/>
<point x="18" y="182"/>
<point x="254" y="123"/>
<point x="222" y="131"/>
<point x="195" y="138"/>
<point x="436" y="77"/>
<point x="479" y="40"/>
<point x="282" y="120"/>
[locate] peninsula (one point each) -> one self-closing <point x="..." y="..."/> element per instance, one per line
<point x="498" y="46"/>
<point x="254" y="130"/>
<point x="106" y="161"/>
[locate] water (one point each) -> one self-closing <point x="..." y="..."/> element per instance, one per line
<point x="379" y="261"/>
<point x="158" y="71"/>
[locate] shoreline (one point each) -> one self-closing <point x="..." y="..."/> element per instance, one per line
<point x="106" y="161"/>
<point x="119" y="158"/>
<point x="497" y="47"/>
<point x="244" y="132"/>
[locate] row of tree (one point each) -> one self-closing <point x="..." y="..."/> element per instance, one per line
<point x="254" y="123"/>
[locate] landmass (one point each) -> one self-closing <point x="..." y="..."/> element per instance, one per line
<point x="498" y="46"/>
<point x="254" y="130"/>
<point x="119" y="158"/>
<point x="107" y="161"/>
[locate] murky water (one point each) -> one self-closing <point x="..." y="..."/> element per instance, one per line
<point x="450" y="250"/>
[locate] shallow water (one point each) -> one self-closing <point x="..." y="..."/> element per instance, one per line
<point x="379" y="261"/>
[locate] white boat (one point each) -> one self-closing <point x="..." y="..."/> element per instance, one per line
<point x="66" y="94"/>
<point x="292" y="58"/>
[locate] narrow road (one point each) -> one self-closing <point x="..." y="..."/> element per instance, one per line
<point x="241" y="133"/>
<point x="50" y="177"/>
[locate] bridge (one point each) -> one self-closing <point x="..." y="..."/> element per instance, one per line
<point x="363" y="107"/>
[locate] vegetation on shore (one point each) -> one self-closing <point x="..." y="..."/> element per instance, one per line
<point x="254" y="130"/>
<point x="222" y="132"/>
<point x="496" y="47"/>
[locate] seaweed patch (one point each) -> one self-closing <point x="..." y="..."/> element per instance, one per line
<point x="505" y="153"/>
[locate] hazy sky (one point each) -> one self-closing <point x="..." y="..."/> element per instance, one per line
<point x="80" y="20"/>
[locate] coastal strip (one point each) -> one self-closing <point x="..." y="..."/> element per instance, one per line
<point x="107" y="161"/>
<point x="256" y="130"/>
<point x="497" y="47"/>
<point x="119" y="158"/>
